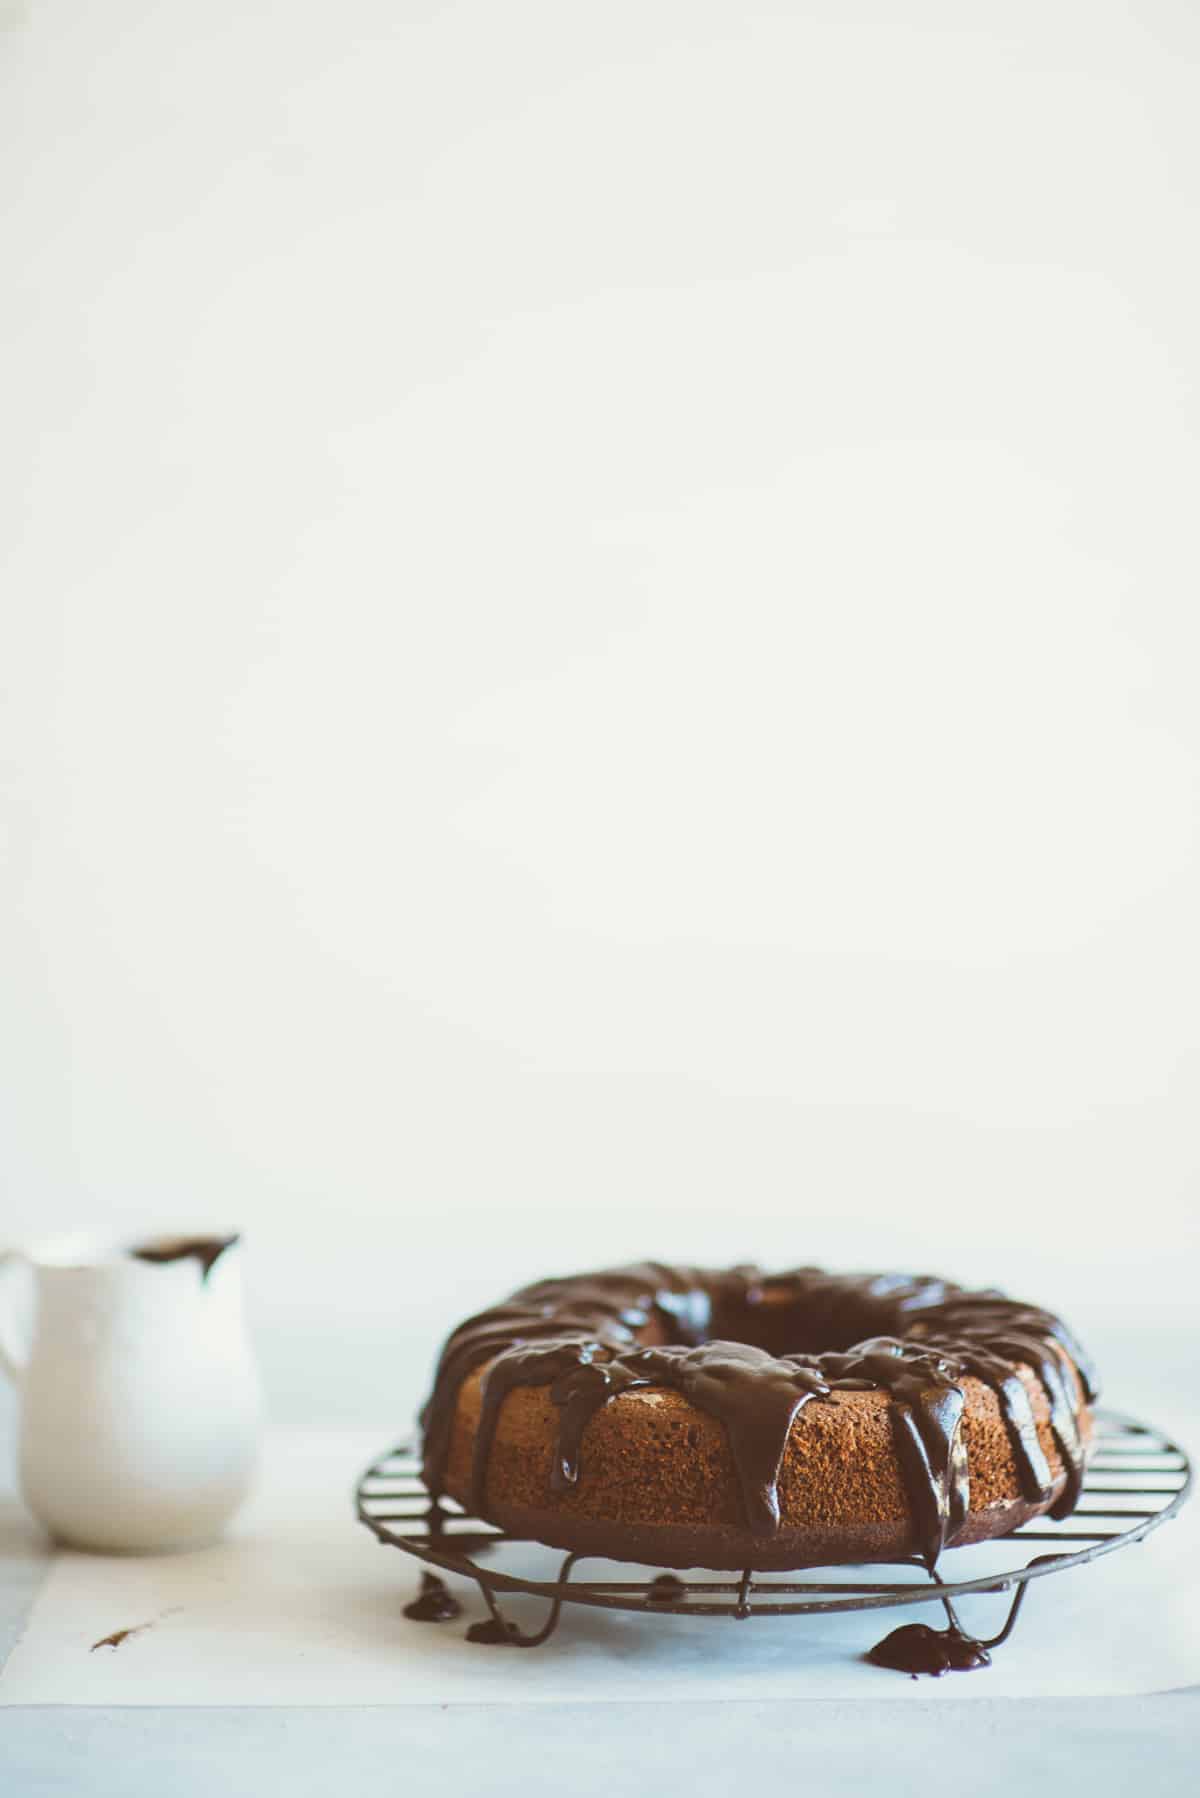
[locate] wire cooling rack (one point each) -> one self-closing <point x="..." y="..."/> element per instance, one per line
<point x="1137" y="1478"/>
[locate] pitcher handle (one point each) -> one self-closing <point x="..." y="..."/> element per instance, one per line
<point x="10" y="1361"/>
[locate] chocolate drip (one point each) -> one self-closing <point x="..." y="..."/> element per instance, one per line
<point x="435" y="1603"/>
<point x="915" y="1648"/>
<point x="927" y="1408"/>
<point x="994" y="1337"/>
<point x="1016" y="1408"/>
<point x="491" y="1632"/>
<point x="720" y="1340"/>
<point x="207" y="1250"/>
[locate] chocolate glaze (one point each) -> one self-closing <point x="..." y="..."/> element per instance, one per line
<point x="435" y="1604"/>
<point x="666" y="1589"/>
<point x="207" y="1250"/>
<point x="752" y="1350"/>
<point x="915" y="1649"/>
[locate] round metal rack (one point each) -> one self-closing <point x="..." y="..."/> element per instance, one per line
<point x="1137" y="1478"/>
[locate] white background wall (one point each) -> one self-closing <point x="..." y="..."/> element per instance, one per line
<point x="599" y="643"/>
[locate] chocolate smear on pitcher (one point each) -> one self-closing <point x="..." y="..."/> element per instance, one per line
<point x="206" y="1250"/>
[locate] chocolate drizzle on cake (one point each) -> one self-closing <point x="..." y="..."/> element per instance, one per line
<point x="716" y="1377"/>
<point x="753" y="1350"/>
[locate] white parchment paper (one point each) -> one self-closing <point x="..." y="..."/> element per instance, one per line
<point x="300" y="1606"/>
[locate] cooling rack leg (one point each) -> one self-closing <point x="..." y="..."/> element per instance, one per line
<point x="498" y="1632"/>
<point x="1014" y="1610"/>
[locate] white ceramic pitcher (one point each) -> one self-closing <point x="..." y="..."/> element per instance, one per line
<point x="140" y="1405"/>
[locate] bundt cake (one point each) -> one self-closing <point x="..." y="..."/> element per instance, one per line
<point x="738" y="1419"/>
